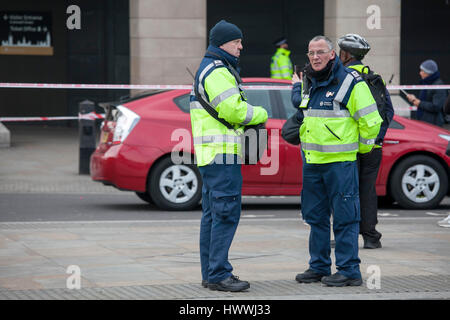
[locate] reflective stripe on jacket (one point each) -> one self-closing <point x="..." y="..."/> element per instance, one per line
<point x="340" y="118"/>
<point x="281" y="65"/>
<point x="217" y="85"/>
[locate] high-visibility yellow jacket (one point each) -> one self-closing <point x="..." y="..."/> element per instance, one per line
<point x="281" y="65"/>
<point x="340" y="117"/>
<point x="217" y="85"/>
<point x="358" y="66"/>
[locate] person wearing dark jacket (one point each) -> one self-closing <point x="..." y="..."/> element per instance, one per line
<point x="340" y="119"/>
<point x="353" y="50"/>
<point x="430" y="102"/>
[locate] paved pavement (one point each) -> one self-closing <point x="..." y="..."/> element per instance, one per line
<point x="158" y="259"/>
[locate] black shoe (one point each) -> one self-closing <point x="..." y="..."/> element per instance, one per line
<point x="232" y="284"/>
<point x="338" y="280"/>
<point x="372" y="244"/>
<point x="309" y="276"/>
<point x="204" y="284"/>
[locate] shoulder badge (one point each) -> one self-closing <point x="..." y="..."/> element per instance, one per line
<point x="356" y="75"/>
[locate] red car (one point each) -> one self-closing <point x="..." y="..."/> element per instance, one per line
<point x="141" y="139"/>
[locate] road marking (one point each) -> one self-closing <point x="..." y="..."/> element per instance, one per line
<point x="387" y="214"/>
<point x="436" y="214"/>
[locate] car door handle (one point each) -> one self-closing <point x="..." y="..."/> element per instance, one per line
<point x="392" y="141"/>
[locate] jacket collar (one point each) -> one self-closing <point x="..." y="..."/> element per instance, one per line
<point x="355" y="63"/>
<point x="337" y="65"/>
<point x="283" y="51"/>
<point x="431" y="78"/>
<point x="234" y="61"/>
<point x="358" y="66"/>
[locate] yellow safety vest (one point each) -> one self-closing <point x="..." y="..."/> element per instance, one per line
<point x="212" y="138"/>
<point x="281" y="65"/>
<point x="340" y="118"/>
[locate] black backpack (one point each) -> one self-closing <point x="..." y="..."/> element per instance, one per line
<point x="378" y="90"/>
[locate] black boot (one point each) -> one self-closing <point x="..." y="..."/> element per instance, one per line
<point x="338" y="280"/>
<point x="232" y="284"/>
<point x="309" y="276"/>
<point x="371" y="243"/>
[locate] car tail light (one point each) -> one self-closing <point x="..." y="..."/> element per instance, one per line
<point x="125" y="120"/>
<point x="107" y="132"/>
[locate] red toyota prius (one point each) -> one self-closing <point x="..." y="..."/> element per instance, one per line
<point x="146" y="147"/>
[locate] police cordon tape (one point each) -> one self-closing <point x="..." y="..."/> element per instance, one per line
<point x="87" y="116"/>
<point x="93" y="115"/>
<point x="179" y="87"/>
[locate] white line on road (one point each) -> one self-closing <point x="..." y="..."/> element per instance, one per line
<point x="387" y="214"/>
<point x="436" y="214"/>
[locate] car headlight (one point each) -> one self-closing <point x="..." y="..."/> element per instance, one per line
<point x="445" y="136"/>
<point x="125" y="122"/>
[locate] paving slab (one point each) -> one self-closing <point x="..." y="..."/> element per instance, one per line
<point x="134" y="269"/>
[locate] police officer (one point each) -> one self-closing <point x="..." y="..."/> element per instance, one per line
<point x="353" y="49"/>
<point x="281" y="65"/>
<point x="340" y="120"/>
<point x="218" y="151"/>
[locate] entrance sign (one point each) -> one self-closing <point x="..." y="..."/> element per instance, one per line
<point x="26" y="33"/>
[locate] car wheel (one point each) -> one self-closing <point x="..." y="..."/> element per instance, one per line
<point x="145" y="197"/>
<point x="175" y="186"/>
<point x="419" y="182"/>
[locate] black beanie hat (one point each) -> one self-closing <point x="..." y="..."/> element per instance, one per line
<point x="223" y="32"/>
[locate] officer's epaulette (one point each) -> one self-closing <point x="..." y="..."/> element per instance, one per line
<point x="355" y="74"/>
<point x="218" y="63"/>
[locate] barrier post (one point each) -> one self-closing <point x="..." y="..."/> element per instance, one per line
<point x="87" y="134"/>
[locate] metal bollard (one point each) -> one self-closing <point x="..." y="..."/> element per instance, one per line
<point x="87" y="134"/>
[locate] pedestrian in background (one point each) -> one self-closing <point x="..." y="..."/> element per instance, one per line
<point x="340" y="120"/>
<point x="218" y="150"/>
<point x="281" y="65"/>
<point x="353" y="49"/>
<point x="430" y="102"/>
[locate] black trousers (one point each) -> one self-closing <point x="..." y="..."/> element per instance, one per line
<point x="369" y="164"/>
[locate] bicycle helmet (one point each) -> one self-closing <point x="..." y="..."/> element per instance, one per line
<point x="356" y="45"/>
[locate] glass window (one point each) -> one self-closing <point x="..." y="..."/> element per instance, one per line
<point x="287" y="103"/>
<point x="260" y="98"/>
<point x="183" y="102"/>
<point x="395" y="125"/>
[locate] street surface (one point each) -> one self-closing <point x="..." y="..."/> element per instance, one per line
<point x="127" y="206"/>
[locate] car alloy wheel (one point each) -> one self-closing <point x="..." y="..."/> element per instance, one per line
<point x="178" y="183"/>
<point x="175" y="186"/>
<point x="419" y="182"/>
